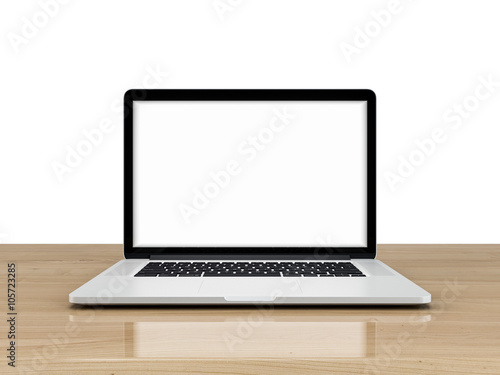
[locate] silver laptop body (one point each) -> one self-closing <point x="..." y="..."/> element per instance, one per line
<point x="249" y="197"/>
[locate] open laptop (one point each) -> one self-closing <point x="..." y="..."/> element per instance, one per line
<point x="250" y="196"/>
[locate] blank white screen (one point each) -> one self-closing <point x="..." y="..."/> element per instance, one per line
<point x="250" y="173"/>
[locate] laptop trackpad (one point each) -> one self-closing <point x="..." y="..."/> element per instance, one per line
<point x="250" y="289"/>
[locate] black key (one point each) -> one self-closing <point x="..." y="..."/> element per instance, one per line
<point x="198" y="264"/>
<point x="189" y="274"/>
<point x="214" y="273"/>
<point x="169" y="273"/>
<point x="218" y="275"/>
<point x="242" y="275"/>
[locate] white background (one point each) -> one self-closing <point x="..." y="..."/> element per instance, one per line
<point x="70" y="77"/>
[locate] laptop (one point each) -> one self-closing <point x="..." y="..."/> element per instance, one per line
<point x="237" y="197"/>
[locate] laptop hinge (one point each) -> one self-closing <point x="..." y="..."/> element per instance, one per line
<point x="307" y="259"/>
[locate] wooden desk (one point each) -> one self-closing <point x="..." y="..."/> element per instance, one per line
<point x="458" y="333"/>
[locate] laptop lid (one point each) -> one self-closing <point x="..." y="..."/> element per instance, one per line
<point x="249" y="174"/>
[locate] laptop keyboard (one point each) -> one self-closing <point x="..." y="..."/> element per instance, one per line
<point x="248" y="269"/>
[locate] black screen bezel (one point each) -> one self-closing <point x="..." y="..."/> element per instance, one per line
<point x="249" y="253"/>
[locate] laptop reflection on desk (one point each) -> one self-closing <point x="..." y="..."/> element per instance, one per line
<point x="249" y="334"/>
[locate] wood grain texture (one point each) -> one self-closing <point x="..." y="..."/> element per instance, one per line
<point x="458" y="333"/>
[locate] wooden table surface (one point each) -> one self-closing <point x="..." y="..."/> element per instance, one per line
<point x="459" y="332"/>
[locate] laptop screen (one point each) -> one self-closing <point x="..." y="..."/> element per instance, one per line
<point x="249" y="174"/>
